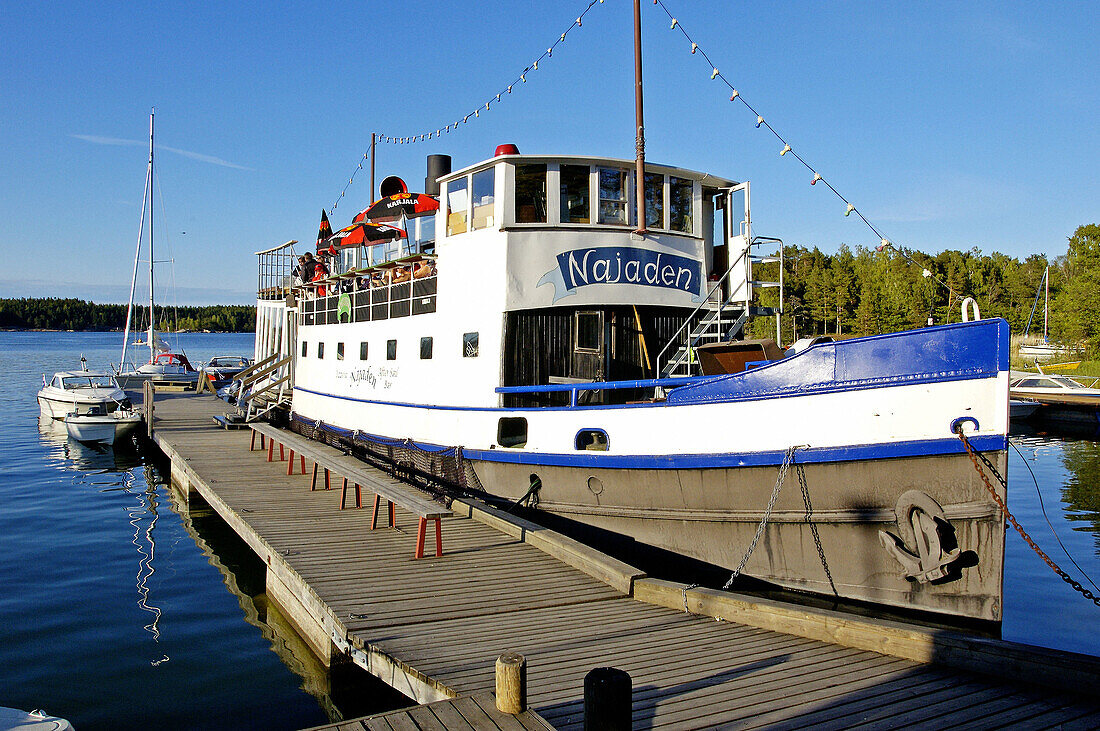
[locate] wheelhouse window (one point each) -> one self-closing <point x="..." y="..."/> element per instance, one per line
<point x="654" y="200"/>
<point x="469" y="345"/>
<point x="614" y="195"/>
<point x="574" y="194"/>
<point x="304" y="346"/>
<point x="681" y="205"/>
<point x="589" y="332"/>
<point x="482" y="184"/>
<point x="530" y="194"/>
<point x="320" y="350"/>
<point x="391" y="350"/>
<point x="457" y="200"/>
<point x="362" y="351"/>
<point x="425" y="348"/>
<point x="339" y="351"/>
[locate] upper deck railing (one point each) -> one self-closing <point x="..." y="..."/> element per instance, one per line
<point x="274" y="271"/>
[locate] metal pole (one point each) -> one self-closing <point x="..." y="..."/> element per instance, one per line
<point x="372" y="138"/>
<point x="151" y="184"/>
<point x="639" y="142"/>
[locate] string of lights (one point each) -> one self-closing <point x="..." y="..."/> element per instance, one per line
<point x="476" y="112"/>
<point x="736" y="96"/>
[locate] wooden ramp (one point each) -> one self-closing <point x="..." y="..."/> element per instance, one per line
<point x="433" y="627"/>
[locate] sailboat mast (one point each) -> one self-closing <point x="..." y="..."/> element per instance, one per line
<point x="133" y="277"/>
<point x="639" y="140"/>
<point x="1046" y="301"/>
<point x="151" y="183"/>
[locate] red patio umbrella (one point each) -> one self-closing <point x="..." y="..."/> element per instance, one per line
<point x="393" y="207"/>
<point x="364" y="232"/>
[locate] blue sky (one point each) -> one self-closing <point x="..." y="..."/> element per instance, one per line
<point x="949" y="125"/>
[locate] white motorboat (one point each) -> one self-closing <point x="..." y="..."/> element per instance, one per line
<point x="222" y="368"/>
<point x="101" y="427"/>
<point x="80" y="391"/>
<point x="1058" y="390"/>
<point x="163" y="368"/>
<point x="163" y="365"/>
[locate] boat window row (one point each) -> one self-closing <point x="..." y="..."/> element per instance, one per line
<point x="374" y="301"/>
<point x="427" y="345"/>
<point x="512" y="433"/>
<point x="585" y="194"/>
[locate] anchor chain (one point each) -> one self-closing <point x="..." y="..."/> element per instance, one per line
<point x="801" y="472"/>
<point x="974" y="457"/>
<point x="787" y="459"/>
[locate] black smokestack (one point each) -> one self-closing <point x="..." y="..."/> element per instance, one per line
<point x="438" y="166"/>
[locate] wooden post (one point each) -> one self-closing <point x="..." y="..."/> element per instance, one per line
<point x="511" y="678"/>
<point x="147" y="395"/>
<point x="607" y="699"/>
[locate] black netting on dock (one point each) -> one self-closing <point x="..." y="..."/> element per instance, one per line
<point x="440" y="470"/>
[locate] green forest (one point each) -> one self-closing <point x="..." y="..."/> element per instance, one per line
<point x="867" y="292"/>
<point x="852" y="292"/>
<point x="73" y="314"/>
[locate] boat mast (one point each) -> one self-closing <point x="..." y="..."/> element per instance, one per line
<point x="145" y="198"/>
<point x="639" y="140"/>
<point x="151" y="316"/>
<point x="1046" y="301"/>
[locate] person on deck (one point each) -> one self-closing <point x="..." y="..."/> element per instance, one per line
<point x="320" y="271"/>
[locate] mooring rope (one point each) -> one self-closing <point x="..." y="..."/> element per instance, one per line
<point x="975" y="457"/>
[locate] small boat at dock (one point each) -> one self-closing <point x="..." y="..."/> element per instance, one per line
<point x="1055" y="390"/>
<point x="80" y="391"/>
<point x="100" y="427"/>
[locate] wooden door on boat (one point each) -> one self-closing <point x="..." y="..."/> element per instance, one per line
<point x="589" y="359"/>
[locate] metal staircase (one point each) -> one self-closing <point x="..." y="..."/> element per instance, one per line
<point x="721" y="318"/>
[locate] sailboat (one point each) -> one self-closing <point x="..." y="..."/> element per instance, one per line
<point x="163" y="365"/>
<point x="1044" y="349"/>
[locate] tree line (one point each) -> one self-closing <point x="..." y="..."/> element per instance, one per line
<point x="73" y="314"/>
<point x="868" y="292"/>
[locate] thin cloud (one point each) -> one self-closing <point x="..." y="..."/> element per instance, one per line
<point x="117" y="142"/>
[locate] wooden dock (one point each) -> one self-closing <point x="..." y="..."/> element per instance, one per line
<point x="433" y="627"/>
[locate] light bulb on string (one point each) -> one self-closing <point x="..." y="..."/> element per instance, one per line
<point x="714" y="74"/>
<point x="850" y="209"/>
<point x="674" y="22"/>
<point x="694" y="46"/>
<point x="817" y="177"/>
<point x="734" y="95"/>
<point x="785" y="150"/>
<point x="759" y="121"/>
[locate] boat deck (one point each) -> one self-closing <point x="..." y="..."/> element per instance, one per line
<point x="433" y="627"/>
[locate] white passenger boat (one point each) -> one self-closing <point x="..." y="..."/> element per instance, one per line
<point x="547" y="351"/>
<point x="101" y="427"/>
<point x="80" y="391"/>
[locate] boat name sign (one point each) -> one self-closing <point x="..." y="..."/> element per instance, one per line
<point x="622" y="265"/>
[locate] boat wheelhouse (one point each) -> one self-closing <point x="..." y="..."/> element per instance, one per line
<point x="537" y="344"/>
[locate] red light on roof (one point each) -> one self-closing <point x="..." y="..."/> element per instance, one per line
<point x="508" y="149"/>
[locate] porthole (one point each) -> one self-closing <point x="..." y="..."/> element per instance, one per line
<point x="591" y="440"/>
<point x="512" y="431"/>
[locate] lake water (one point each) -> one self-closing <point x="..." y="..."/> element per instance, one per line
<point x="118" y="611"/>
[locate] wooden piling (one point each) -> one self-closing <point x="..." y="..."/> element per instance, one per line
<point x="147" y="395"/>
<point x="511" y="683"/>
<point x="607" y="700"/>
